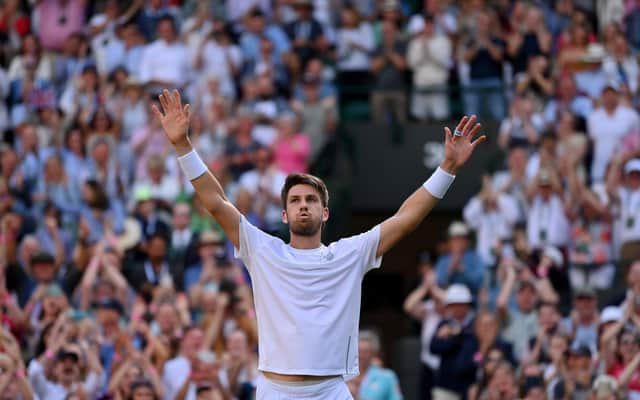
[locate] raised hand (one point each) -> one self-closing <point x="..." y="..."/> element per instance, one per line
<point x="458" y="148"/>
<point x="174" y="119"/>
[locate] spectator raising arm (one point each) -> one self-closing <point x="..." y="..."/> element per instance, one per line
<point x="175" y="122"/>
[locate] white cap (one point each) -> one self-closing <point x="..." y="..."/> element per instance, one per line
<point x="458" y="228"/>
<point x="610" y="314"/>
<point x="458" y="294"/>
<point x="632" y="166"/>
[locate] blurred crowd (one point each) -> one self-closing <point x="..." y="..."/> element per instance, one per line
<point x="116" y="283"/>
<point x="535" y="293"/>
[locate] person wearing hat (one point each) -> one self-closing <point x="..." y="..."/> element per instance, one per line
<point x="210" y="269"/>
<point x="583" y="323"/>
<point x="456" y="345"/>
<point x="66" y="364"/>
<point x="575" y="381"/>
<point x="625" y="193"/>
<point x="461" y="264"/>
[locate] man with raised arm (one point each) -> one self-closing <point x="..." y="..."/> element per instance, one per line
<point x="307" y="295"/>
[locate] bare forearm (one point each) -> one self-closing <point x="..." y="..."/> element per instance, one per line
<point x="412" y="212"/>
<point x="413" y="300"/>
<point x="628" y="371"/>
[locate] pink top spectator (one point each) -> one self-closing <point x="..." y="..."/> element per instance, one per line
<point x="291" y="154"/>
<point x="57" y="19"/>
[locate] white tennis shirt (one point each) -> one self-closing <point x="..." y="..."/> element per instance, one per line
<point x="307" y="301"/>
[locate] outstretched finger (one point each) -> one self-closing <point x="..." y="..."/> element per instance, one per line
<point x="156" y="111"/>
<point x="448" y="137"/>
<point x="461" y="124"/>
<point x="468" y="125"/>
<point x="187" y="111"/>
<point x="169" y="99"/>
<point x="474" y="131"/>
<point x="479" y="140"/>
<point x="164" y="102"/>
<point x="177" y="101"/>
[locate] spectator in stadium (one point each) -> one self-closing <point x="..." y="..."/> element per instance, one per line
<point x="429" y="313"/>
<point x="607" y="126"/>
<point x="523" y="127"/>
<point x="388" y="66"/>
<point x="493" y="216"/>
<point x="455" y="344"/>
<point x="624" y="192"/>
<point x="166" y="61"/>
<point x="292" y="148"/>
<point x="318" y="115"/>
<point x="547" y="222"/>
<point x="375" y="382"/>
<point x="306" y="34"/>
<point x="461" y="265"/>
<point x="259" y="190"/>
<point x="429" y="58"/>
<point x="484" y="52"/>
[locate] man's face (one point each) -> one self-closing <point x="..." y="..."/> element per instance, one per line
<point x="181" y="216"/>
<point x="526" y="299"/>
<point x="107" y="317"/>
<point x="263" y="159"/>
<point x="632" y="180"/>
<point x="610" y="99"/>
<point x="67" y="370"/>
<point x="547" y="316"/>
<point x="166" y="31"/>
<point x="535" y="394"/>
<point x="585" y="306"/>
<point x="458" y="311"/>
<point x="157" y="249"/>
<point x="143" y="393"/>
<point x="304" y="213"/>
<point x="458" y="244"/>
<point x="43" y="272"/>
<point x="579" y="362"/>
<point x="192" y="342"/>
<point x="365" y="352"/>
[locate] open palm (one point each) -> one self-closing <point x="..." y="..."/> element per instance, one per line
<point x="458" y="149"/>
<point x="174" y="116"/>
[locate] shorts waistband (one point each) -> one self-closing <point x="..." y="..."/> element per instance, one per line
<point x="301" y="388"/>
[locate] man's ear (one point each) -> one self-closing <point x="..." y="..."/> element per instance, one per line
<point x="325" y="214"/>
<point x="285" y="220"/>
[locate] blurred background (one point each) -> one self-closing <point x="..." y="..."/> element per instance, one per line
<point x="523" y="283"/>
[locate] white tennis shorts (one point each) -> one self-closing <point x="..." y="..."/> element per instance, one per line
<point x="331" y="389"/>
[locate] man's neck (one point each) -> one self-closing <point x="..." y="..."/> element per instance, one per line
<point x="306" y="242"/>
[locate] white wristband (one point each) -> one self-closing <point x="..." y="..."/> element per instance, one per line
<point x="439" y="183"/>
<point x="192" y="165"/>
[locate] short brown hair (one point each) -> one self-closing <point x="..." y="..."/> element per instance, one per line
<point x="304" y="179"/>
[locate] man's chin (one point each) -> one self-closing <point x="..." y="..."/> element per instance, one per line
<point x="307" y="229"/>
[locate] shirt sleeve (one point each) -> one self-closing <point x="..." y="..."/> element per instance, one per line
<point x="367" y="245"/>
<point x="250" y="238"/>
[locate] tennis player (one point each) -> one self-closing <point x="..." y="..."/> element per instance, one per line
<point x="307" y="295"/>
